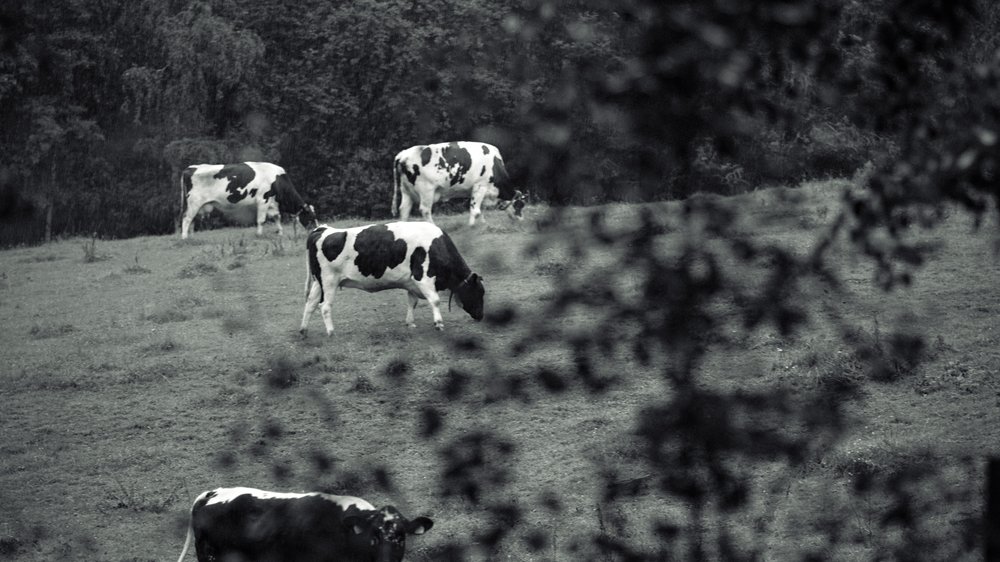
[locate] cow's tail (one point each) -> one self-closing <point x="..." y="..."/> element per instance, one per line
<point x="187" y="541"/>
<point x="309" y="279"/>
<point x="395" y="188"/>
<point x="185" y="189"/>
<point x="313" y="269"/>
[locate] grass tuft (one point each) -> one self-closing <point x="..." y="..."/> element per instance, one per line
<point x="275" y="247"/>
<point x="136" y="269"/>
<point x="197" y="269"/>
<point x="364" y="385"/>
<point x="958" y="374"/>
<point x="90" y="253"/>
<point x="882" y="459"/>
<point x="130" y="497"/>
<point x="43" y="331"/>
<point x="39" y="259"/>
<point x="164" y="315"/>
<point x="166" y="345"/>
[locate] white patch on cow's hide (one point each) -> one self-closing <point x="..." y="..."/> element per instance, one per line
<point x="226" y="495"/>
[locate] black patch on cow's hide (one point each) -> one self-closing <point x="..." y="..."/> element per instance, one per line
<point x="239" y="175"/>
<point x="425" y="155"/>
<point x="483" y="171"/>
<point x="378" y="251"/>
<point x="186" y="178"/>
<point x="253" y="192"/>
<point x="411" y="175"/>
<point x="289" y="200"/>
<point x="417" y="263"/>
<point x="334" y="244"/>
<point x="486" y="149"/>
<point x="457" y="161"/>
<point x="314" y="268"/>
<point x="446" y="265"/>
<point x="501" y="180"/>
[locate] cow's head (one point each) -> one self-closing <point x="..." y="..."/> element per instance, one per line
<point x="470" y="294"/>
<point x="307" y="216"/>
<point x="382" y="534"/>
<point x="515" y="204"/>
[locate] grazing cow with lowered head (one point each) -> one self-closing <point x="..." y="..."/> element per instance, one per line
<point x="243" y="189"/>
<point x="415" y="256"/>
<point x="426" y="174"/>
<point x="247" y="525"/>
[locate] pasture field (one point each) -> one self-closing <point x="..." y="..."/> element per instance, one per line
<point x="138" y="373"/>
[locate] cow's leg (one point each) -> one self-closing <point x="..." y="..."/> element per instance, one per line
<point x="326" y="308"/>
<point x="187" y="223"/>
<point x="261" y="218"/>
<point x="314" y="292"/>
<point x="476" y="202"/>
<point x="277" y="219"/>
<point x="425" y="210"/>
<point x="426" y="286"/>
<point x="425" y="190"/>
<point x="413" y="300"/>
<point x="405" y="205"/>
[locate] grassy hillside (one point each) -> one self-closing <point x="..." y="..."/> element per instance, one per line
<point x="138" y="373"/>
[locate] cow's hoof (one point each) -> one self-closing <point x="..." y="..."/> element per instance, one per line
<point x="411" y="324"/>
<point x="438" y="326"/>
<point x="302" y="332"/>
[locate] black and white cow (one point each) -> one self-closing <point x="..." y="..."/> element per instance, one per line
<point x="246" y="524"/>
<point x="241" y="190"/>
<point x="426" y="174"/>
<point x="415" y="256"/>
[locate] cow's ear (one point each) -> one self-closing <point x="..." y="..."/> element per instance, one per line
<point x="419" y="526"/>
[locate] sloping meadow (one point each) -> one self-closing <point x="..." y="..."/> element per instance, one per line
<point x="633" y="392"/>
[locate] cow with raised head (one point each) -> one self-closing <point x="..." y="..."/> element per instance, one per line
<point x="417" y="257"/>
<point x="247" y="525"/>
<point x="256" y="189"/>
<point x="426" y="174"/>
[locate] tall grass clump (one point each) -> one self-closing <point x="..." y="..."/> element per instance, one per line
<point x="90" y="252"/>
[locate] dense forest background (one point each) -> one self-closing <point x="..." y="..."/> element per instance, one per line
<point x="102" y="101"/>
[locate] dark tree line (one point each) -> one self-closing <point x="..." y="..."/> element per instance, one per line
<point x="104" y="100"/>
